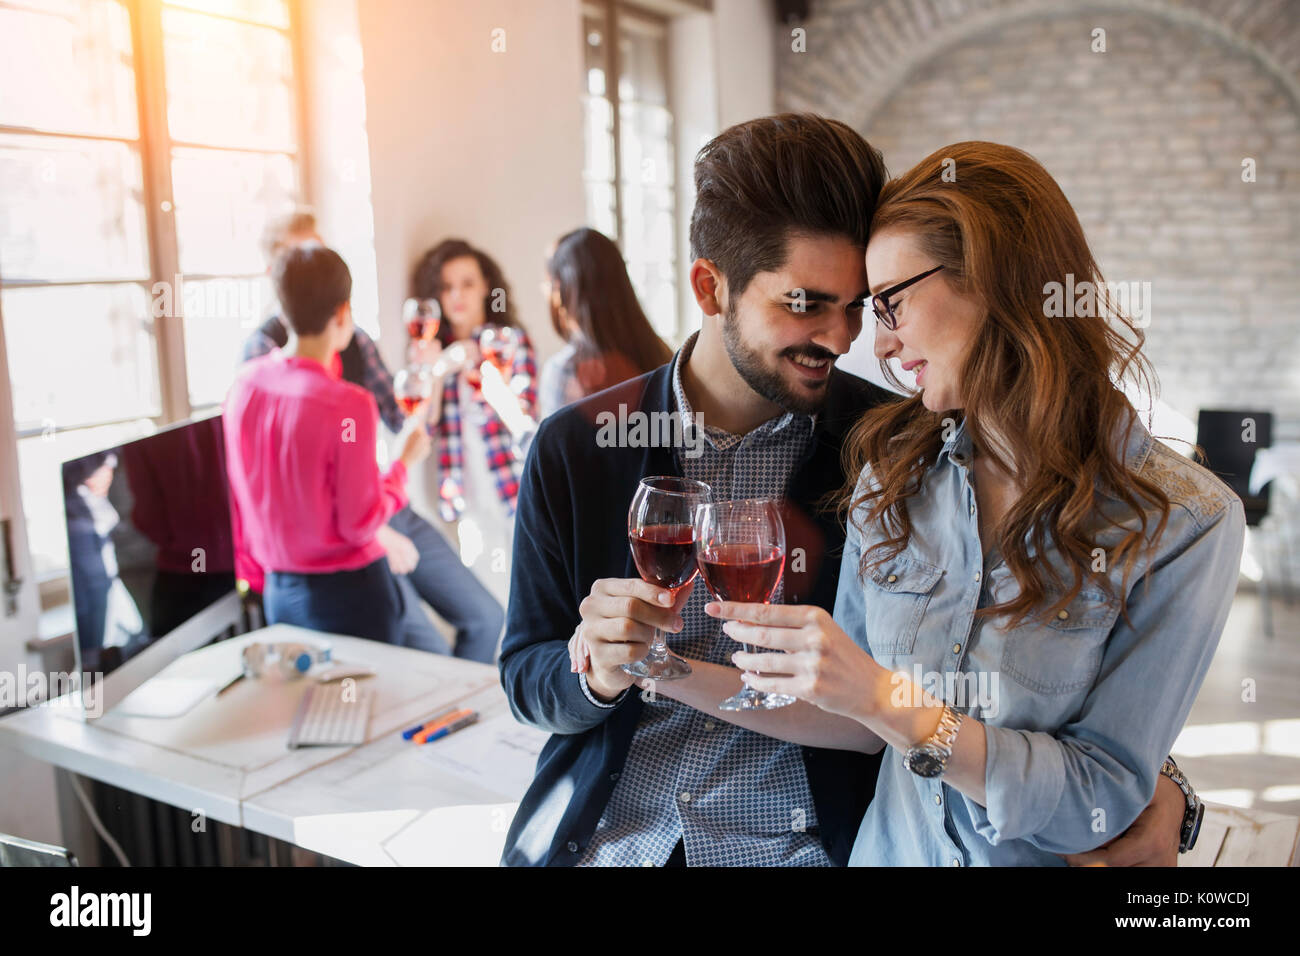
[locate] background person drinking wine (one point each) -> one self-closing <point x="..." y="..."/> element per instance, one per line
<point x="307" y="497"/>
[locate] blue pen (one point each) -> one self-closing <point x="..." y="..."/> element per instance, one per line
<point x="408" y="734"/>
<point x="451" y="728"/>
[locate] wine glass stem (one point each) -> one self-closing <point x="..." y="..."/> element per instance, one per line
<point x="758" y="694"/>
<point x="658" y="647"/>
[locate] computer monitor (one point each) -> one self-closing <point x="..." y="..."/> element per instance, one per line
<point x="151" y="550"/>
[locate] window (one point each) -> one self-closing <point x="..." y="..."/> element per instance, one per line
<point x="628" y="173"/>
<point x="143" y="145"/>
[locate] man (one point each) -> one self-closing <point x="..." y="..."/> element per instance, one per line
<point x="423" y="563"/>
<point x="778" y="235"/>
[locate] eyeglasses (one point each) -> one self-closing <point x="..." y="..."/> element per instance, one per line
<point x="880" y="301"/>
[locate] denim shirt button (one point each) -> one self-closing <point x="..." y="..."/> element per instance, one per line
<point x="1063" y="614"/>
<point x="956" y="648"/>
<point x="955" y="862"/>
<point x="572" y="847"/>
<point x="938" y="800"/>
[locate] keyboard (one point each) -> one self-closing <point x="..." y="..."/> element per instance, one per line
<point x="326" y="718"/>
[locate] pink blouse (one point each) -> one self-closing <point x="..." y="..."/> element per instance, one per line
<point x="306" y="492"/>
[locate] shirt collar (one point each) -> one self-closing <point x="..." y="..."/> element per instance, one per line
<point x="720" y="439"/>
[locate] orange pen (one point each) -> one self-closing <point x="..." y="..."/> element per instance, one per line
<point x="438" y="725"/>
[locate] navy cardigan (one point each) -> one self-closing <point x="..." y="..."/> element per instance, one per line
<point x="570" y="531"/>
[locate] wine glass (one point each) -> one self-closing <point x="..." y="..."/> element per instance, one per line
<point x="659" y="529"/>
<point x="498" y="344"/>
<point x="412" y="386"/>
<point x="422" y="318"/>
<point x="740" y="547"/>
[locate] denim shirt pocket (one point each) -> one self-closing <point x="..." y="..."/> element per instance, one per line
<point x="1063" y="655"/>
<point x="896" y="594"/>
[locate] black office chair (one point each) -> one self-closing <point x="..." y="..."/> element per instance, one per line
<point x="1224" y="437"/>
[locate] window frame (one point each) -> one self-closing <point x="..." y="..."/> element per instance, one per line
<point x="613" y="11"/>
<point x="155" y="144"/>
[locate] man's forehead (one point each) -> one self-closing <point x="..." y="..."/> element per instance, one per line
<point x="831" y="266"/>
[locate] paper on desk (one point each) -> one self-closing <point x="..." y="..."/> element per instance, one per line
<point x="498" y="754"/>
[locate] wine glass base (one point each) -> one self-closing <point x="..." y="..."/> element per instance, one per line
<point x="749" y="699"/>
<point x="670" y="668"/>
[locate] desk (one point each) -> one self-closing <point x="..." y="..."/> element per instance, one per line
<point x="228" y="758"/>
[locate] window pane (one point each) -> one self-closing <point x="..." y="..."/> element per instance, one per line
<point x="228" y="84"/>
<point x="223" y="200"/>
<point x="103" y="365"/>
<point x="70" y="209"/>
<point x="65" y="65"/>
<point x="598" y="160"/>
<point x="219" y="315"/>
<point x="656" y="289"/>
<point x="271" y="12"/>
<point x="648" y="223"/>
<point x="600" y="208"/>
<point x="643" y="67"/>
<point x="40" y="461"/>
<point x="593" y="25"/>
<point x="647" y="157"/>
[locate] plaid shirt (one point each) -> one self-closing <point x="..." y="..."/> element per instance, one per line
<point x="505" y="460"/>
<point x="374" y="376"/>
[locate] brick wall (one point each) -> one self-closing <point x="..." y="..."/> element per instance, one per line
<point x="1147" y="139"/>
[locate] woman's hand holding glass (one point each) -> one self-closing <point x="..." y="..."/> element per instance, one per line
<point x="810" y="657"/>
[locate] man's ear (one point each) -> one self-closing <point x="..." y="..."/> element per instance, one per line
<point x="709" y="285"/>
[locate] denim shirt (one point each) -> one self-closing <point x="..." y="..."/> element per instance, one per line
<point x="1078" y="712"/>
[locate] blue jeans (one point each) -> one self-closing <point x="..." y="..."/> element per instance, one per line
<point x="452" y="590"/>
<point x="365" y="602"/>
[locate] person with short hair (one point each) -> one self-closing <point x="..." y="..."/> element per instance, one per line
<point x="426" y="566"/>
<point x="307" y="496"/>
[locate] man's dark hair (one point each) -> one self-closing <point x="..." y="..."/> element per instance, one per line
<point x="311" y="283"/>
<point x="758" y="183"/>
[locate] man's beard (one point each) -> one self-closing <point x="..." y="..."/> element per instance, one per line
<point x="766" y="381"/>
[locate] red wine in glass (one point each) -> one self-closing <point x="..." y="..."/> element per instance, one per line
<point x="660" y="531"/>
<point x="497" y="344"/>
<point x="740" y="548"/>
<point x="742" y="574"/>
<point x="412" y="386"/>
<point x="664" y="554"/>
<point x="422" y="318"/>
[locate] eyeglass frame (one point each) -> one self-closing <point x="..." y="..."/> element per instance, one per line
<point x="883" y="297"/>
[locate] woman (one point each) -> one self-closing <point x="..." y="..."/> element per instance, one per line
<point x="306" y="495"/>
<point x="479" y="440"/>
<point x="1019" y="546"/>
<point x="595" y="310"/>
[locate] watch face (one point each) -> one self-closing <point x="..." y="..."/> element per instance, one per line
<point x="924" y="762"/>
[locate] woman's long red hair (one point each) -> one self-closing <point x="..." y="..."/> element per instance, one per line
<point x="1046" y="385"/>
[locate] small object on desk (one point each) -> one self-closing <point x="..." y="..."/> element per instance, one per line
<point x="411" y="732"/>
<point x="342" y="671"/>
<point x="326" y="718"/>
<point x="436" y="725"/>
<point x="452" y="727"/>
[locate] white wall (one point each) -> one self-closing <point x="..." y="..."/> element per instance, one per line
<point x="469" y="142"/>
<point x="744" y="31"/>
